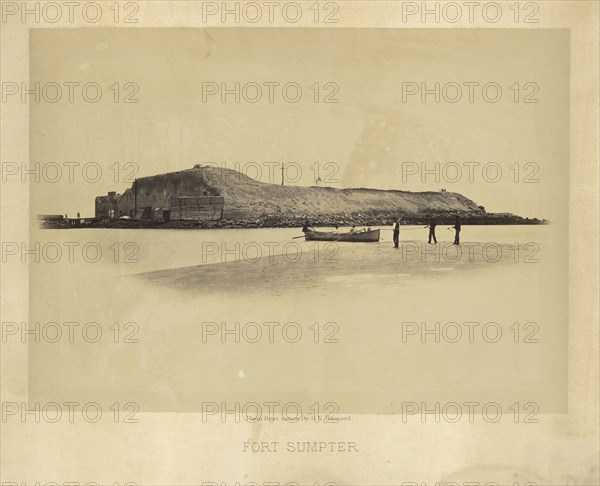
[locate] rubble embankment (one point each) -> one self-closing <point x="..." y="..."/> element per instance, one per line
<point x="321" y="221"/>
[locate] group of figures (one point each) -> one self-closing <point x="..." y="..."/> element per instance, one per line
<point x="432" y="240"/>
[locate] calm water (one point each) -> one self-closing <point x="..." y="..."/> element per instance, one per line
<point x="134" y="251"/>
<point x="368" y="292"/>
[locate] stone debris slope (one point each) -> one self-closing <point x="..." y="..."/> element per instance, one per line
<point x="246" y="198"/>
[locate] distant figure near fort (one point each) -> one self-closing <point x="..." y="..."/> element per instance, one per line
<point x="432" y="225"/>
<point x="396" y="234"/>
<point x="457" y="231"/>
<point x="307" y="227"/>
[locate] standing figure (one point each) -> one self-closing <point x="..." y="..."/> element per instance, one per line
<point x="432" y="225"/>
<point x="457" y="229"/>
<point x="396" y="234"/>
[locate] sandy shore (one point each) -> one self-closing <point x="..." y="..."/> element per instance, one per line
<point x="353" y="264"/>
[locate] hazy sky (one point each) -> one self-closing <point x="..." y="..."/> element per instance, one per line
<point x="368" y="134"/>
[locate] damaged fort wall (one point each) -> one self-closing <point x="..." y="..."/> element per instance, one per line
<point x="158" y="191"/>
<point x="182" y="195"/>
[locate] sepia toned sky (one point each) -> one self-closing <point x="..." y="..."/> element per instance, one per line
<point x="369" y="134"/>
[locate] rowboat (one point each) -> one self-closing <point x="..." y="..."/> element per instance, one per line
<point x="363" y="236"/>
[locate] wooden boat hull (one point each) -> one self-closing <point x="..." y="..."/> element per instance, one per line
<point x="354" y="237"/>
